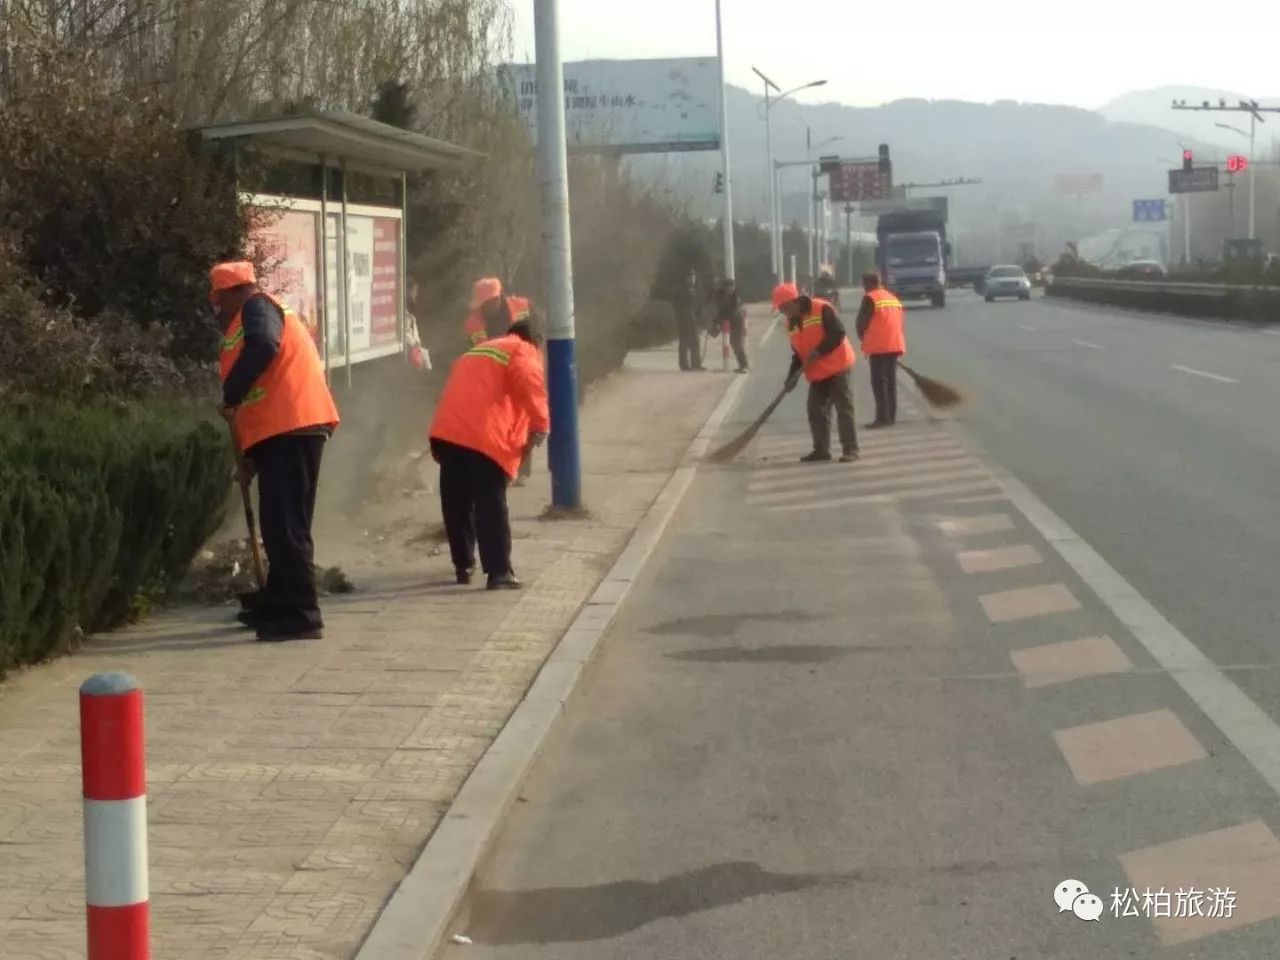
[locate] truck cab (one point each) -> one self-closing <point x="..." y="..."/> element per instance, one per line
<point x="915" y="266"/>
<point x="912" y="254"/>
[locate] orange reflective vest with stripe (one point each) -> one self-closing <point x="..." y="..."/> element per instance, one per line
<point x="884" y="332"/>
<point x="495" y="397"/>
<point x="474" y="327"/>
<point x="807" y="333"/>
<point x="291" y="394"/>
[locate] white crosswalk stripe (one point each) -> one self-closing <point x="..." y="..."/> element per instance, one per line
<point x="913" y="461"/>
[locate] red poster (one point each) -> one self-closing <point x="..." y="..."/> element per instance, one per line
<point x="288" y="247"/>
<point x="384" y="312"/>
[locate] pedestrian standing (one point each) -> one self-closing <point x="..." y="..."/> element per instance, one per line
<point x="820" y="349"/>
<point x="275" y="397"/>
<point x="729" y="311"/>
<point x="880" y="329"/>
<point x="492" y="412"/>
<point x="686" y="308"/>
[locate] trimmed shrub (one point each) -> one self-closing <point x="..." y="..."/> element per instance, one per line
<point x="101" y="512"/>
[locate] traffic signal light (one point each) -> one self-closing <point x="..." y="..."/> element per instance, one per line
<point x="717" y="184"/>
<point x="1186" y="160"/>
<point x="1237" y="164"/>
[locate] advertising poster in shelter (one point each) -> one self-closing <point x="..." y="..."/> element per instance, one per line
<point x="385" y="302"/>
<point x="287" y="248"/>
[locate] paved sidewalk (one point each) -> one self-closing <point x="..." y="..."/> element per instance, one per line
<point x="290" y="787"/>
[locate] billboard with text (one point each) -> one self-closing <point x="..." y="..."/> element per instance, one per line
<point x="630" y="106"/>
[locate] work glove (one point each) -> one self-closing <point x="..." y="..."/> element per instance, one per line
<point x="813" y="357"/>
<point x="793" y="379"/>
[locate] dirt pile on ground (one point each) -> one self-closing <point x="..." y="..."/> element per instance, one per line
<point x="222" y="571"/>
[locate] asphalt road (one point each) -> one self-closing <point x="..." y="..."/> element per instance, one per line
<point x="1156" y="439"/>
<point x="870" y="711"/>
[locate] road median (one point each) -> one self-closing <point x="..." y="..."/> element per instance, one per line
<point x="1227" y="302"/>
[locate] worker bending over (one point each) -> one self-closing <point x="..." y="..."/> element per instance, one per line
<point x="879" y="327"/>
<point x="493" y="410"/>
<point x="821" y="350"/>
<point x="492" y="314"/>
<point x="275" y="397"/>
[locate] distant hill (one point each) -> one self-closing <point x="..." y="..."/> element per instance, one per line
<point x="1017" y="149"/>
<point x="1154" y="107"/>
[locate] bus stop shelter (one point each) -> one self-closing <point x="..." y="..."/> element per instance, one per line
<point x="333" y="232"/>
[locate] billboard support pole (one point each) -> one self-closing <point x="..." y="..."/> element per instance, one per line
<point x="553" y="172"/>
<point x="729" y="270"/>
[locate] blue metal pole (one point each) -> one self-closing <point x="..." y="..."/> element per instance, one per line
<point x="553" y="171"/>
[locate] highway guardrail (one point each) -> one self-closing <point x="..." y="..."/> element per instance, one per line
<point x="1256" y="304"/>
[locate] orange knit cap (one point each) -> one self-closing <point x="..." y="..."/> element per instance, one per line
<point x="233" y="273"/>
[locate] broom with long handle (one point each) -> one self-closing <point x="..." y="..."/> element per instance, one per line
<point x="242" y="475"/>
<point x="937" y="393"/>
<point x="739" y="443"/>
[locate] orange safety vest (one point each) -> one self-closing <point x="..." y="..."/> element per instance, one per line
<point x="291" y="394"/>
<point x="496" y="395"/>
<point x="884" y="332"/>
<point x="805" y="337"/>
<point x="474" y="327"/>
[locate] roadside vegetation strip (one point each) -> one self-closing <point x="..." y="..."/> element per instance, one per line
<point x="1226" y="302"/>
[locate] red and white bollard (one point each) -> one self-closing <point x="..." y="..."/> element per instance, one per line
<point x="114" y="770"/>
<point x="724" y="344"/>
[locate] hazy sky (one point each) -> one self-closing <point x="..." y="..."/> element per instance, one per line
<point x="977" y="50"/>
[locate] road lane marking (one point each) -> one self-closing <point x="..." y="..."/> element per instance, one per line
<point x="1274" y="331"/>
<point x="1203" y="373"/>
<point x="1027" y="327"/>
<point x="1089" y="344"/>
<point x="1246" y="725"/>
<point x="998" y="558"/>
<point x="1054" y="663"/>
<point x="1127" y="746"/>
<point x="1026" y="602"/>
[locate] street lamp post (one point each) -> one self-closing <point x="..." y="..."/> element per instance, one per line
<point x="775" y="201"/>
<point x="553" y="171"/>
<point x="724" y="156"/>
<point x="814" y="173"/>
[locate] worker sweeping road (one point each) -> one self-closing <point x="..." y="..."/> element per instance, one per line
<point x="822" y="352"/>
<point x="879" y="327"/>
<point x="492" y="314"/>
<point x="493" y="410"/>
<point x="275" y="397"/>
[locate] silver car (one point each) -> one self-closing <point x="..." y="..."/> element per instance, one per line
<point x="1006" y="281"/>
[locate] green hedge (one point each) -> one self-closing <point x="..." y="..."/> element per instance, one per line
<point x="101" y="511"/>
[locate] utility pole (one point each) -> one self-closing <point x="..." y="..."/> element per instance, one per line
<point x="812" y="238"/>
<point x="724" y="156"/>
<point x="848" y="238"/>
<point x="553" y="172"/>
<point x="775" y="201"/>
<point x="1255" y="112"/>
